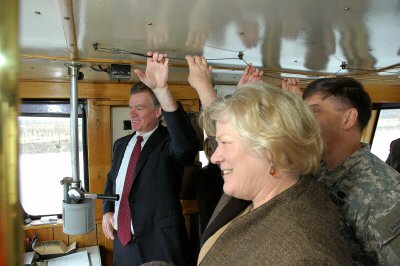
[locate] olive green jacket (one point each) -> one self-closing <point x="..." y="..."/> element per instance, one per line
<point x="298" y="227"/>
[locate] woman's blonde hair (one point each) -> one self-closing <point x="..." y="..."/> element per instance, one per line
<point x="269" y="118"/>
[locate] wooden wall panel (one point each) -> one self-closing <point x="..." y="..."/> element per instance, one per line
<point x="84" y="240"/>
<point x="383" y="93"/>
<point x="114" y="91"/>
<point x="380" y="93"/>
<point x="191" y="105"/>
<point x="369" y="130"/>
<point x="55" y="232"/>
<point x="100" y="149"/>
<point x="59" y="234"/>
<point x="44" y="233"/>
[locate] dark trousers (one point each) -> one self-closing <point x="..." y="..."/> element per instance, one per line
<point x="126" y="255"/>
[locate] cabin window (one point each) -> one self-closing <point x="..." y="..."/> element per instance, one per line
<point x="387" y="130"/>
<point x="45" y="154"/>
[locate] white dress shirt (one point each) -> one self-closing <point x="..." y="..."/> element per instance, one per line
<point x="120" y="181"/>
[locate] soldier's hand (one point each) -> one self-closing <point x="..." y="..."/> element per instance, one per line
<point x="250" y="75"/>
<point x="292" y="85"/>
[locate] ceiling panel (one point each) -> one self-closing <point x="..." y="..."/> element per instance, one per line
<point x="304" y="38"/>
<point x="41" y="31"/>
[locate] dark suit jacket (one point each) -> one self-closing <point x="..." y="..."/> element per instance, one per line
<point x="394" y="156"/>
<point x="154" y="199"/>
<point x="209" y="191"/>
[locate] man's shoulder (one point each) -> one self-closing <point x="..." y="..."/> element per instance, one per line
<point x="371" y="182"/>
<point x="365" y="180"/>
<point x="369" y="165"/>
<point x="395" y="143"/>
<point x="123" y="140"/>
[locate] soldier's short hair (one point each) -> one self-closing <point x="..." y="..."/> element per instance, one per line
<point x="347" y="91"/>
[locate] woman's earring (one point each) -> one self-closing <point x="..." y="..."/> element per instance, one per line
<point x="272" y="171"/>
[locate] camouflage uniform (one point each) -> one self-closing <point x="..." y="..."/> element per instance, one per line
<point x="367" y="193"/>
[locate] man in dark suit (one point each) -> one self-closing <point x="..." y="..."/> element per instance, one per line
<point x="394" y="155"/>
<point x="157" y="228"/>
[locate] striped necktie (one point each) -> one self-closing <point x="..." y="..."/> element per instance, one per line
<point x="124" y="214"/>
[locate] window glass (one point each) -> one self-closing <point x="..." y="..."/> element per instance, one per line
<point x="387" y="130"/>
<point x="45" y="157"/>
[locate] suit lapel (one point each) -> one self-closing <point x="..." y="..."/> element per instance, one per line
<point x="121" y="151"/>
<point x="155" y="138"/>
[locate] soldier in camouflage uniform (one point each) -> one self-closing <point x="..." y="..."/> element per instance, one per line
<point x="365" y="189"/>
<point x="368" y="197"/>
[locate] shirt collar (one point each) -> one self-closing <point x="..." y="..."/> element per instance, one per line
<point x="146" y="135"/>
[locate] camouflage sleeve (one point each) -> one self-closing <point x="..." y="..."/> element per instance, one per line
<point x="378" y="220"/>
<point x="380" y="237"/>
<point x="387" y="231"/>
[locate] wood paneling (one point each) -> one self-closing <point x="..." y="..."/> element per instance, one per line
<point x="114" y="91"/>
<point x="59" y="235"/>
<point x="383" y="93"/>
<point x="369" y="130"/>
<point x="44" y="233"/>
<point x="100" y="149"/>
<point x="379" y="93"/>
<point x="85" y="240"/>
<point x="55" y="232"/>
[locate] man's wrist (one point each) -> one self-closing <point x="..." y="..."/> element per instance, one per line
<point x="161" y="88"/>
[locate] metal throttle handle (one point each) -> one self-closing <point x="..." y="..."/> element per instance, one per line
<point x="113" y="197"/>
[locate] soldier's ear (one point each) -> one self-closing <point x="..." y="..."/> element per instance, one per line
<point x="350" y="118"/>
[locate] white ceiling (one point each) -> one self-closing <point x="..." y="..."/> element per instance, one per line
<point x="304" y="38"/>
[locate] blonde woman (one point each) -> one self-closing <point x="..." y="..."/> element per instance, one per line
<point x="269" y="143"/>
